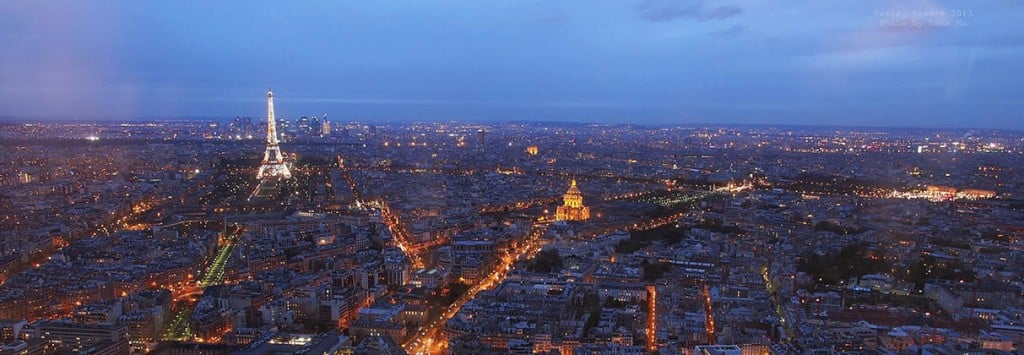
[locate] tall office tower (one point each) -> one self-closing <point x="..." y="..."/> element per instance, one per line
<point x="303" y="125"/>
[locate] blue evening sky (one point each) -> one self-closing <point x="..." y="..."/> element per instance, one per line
<point x="878" y="63"/>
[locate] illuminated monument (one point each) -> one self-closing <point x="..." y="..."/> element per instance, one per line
<point x="573" y="208"/>
<point x="273" y="165"/>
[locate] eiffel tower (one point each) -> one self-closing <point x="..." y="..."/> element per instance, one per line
<point x="273" y="165"/>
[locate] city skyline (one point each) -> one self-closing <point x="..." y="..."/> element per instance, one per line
<point x="917" y="64"/>
<point x="461" y="238"/>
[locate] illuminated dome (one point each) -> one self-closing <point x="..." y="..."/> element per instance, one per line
<point x="572" y="208"/>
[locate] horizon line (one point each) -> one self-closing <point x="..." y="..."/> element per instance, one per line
<point x="218" y="119"/>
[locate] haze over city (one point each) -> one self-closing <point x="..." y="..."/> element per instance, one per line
<point x="918" y="63"/>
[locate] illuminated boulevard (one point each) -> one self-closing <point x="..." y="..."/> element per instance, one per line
<point x="400" y="233"/>
<point x="214" y="273"/>
<point x="185" y="299"/>
<point x="429" y="339"/>
<point x="709" y="314"/>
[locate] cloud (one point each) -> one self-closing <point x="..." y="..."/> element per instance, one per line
<point x="731" y="32"/>
<point x="667" y="10"/>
